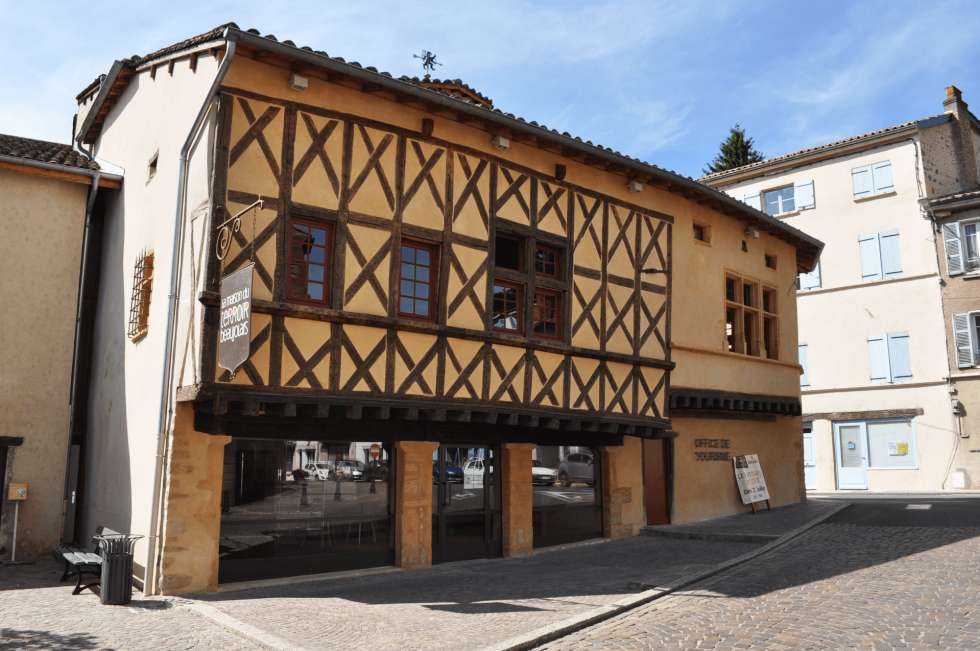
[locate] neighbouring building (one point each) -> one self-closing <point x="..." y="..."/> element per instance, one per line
<point x="461" y="324"/>
<point x="879" y="317"/>
<point x="48" y="192"/>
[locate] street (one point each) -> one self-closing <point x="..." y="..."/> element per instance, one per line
<point x="879" y="575"/>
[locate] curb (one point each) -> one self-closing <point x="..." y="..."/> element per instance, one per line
<point x="594" y="616"/>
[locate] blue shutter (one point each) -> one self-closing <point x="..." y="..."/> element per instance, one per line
<point x="753" y="200"/>
<point x="898" y="356"/>
<point x="811" y="280"/>
<point x="863" y="183"/>
<point x="882" y="177"/>
<point x="803" y="195"/>
<point x="802" y="356"/>
<point x="870" y="257"/>
<point x="878" y="354"/>
<point x="891" y="258"/>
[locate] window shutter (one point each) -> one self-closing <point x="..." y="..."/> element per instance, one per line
<point x="753" y="200"/>
<point x="882" y="175"/>
<point x="802" y="356"/>
<point x="878" y="353"/>
<point x="964" y="341"/>
<point x="899" y="360"/>
<point x="803" y="195"/>
<point x="870" y="257"/>
<point x="954" y="248"/>
<point x="861" y="177"/>
<point x="891" y="258"/>
<point x="811" y="280"/>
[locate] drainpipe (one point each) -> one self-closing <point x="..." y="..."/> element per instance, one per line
<point x="152" y="577"/>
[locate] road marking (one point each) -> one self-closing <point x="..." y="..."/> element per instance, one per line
<point x="918" y="507"/>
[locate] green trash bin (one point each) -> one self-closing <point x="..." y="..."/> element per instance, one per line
<point x="116" y="549"/>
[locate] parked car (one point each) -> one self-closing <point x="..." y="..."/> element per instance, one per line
<point x="454" y="474"/>
<point x="349" y="470"/>
<point x="475" y="469"/>
<point x="317" y="470"/>
<point x="577" y="468"/>
<point x="541" y="475"/>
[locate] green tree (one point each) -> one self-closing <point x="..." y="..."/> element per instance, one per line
<point x="735" y="151"/>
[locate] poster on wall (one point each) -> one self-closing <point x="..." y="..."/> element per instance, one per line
<point x="751" y="481"/>
<point x="236" y="319"/>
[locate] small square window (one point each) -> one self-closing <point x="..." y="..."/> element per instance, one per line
<point x="770" y="261"/>
<point x="151" y="166"/>
<point x="702" y="233"/>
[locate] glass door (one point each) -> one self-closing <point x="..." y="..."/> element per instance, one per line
<point x="809" y="458"/>
<point x="465" y="503"/>
<point x="852" y="455"/>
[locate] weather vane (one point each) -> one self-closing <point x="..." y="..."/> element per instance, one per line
<point x="429" y="62"/>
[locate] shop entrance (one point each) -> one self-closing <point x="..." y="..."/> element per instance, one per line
<point x="466" y="520"/>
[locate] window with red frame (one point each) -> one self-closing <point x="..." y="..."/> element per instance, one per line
<point x="309" y="262"/>
<point x="417" y="280"/>
<point x="546" y="313"/>
<point x="547" y="260"/>
<point x="508" y="302"/>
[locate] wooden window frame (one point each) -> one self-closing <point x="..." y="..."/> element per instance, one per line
<point x="744" y="342"/>
<point x="139" y="304"/>
<point x="433" y="282"/>
<point x="328" y="262"/>
<point x="559" y="262"/>
<point x="520" y="306"/>
<point x="557" y="294"/>
<point x="772" y="317"/>
<point x="530" y="281"/>
<point x="778" y="188"/>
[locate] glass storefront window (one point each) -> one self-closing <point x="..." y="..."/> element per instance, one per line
<point x="291" y="507"/>
<point x="566" y="494"/>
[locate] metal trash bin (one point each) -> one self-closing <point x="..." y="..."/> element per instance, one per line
<point x="116" y="587"/>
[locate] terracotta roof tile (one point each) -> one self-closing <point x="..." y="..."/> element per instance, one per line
<point x="42" y="151"/>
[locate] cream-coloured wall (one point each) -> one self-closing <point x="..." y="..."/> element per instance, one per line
<point x="43" y="221"/>
<point x="934" y="432"/>
<point x="152" y="115"/>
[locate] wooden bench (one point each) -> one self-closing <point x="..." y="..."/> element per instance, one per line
<point x="81" y="564"/>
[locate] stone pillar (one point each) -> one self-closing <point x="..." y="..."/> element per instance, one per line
<point x="192" y="508"/>
<point x="413" y="503"/>
<point x="622" y="489"/>
<point x="517" y="498"/>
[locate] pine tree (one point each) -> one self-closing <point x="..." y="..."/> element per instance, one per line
<point x="735" y="151"/>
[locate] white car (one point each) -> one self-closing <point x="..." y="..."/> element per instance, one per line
<point x="349" y="470"/>
<point x="542" y="475"/>
<point x="319" y="470"/>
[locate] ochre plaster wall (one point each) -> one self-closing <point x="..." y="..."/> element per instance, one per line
<point x="413" y="503"/>
<point x="42" y="220"/>
<point x="622" y="489"/>
<point x="192" y="508"/>
<point x="707" y="489"/>
<point x="517" y="499"/>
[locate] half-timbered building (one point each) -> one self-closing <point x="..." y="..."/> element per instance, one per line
<point x="460" y="328"/>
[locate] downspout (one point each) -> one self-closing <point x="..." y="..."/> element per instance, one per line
<point x="151" y="584"/>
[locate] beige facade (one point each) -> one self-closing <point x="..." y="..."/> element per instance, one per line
<point x="43" y="217"/>
<point x="875" y="320"/>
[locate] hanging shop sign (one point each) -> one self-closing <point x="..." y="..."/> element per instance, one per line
<point x="751" y="481"/>
<point x="236" y="319"/>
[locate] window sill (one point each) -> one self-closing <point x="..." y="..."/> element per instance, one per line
<point x="784" y="215"/>
<point x="880" y="195"/>
<point x="702" y="242"/>
<point x="893" y="468"/>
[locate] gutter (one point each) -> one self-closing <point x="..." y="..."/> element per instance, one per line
<point x="512" y="123"/>
<point x="55" y="167"/>
<point x="152" y="576"/>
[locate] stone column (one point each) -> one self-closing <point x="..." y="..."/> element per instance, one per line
<point x="192" y="508"/>
<point x="517" y="498"/>
<point x="622" y="489"/>
<point x="413" y="503"/>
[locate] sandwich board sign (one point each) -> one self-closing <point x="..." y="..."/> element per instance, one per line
<point x="751" y="482"/>
<point x="236" y="319"/>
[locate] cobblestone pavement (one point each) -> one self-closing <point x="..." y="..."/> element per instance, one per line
<point x="468" y="605"/>
<point x="864" y="580"/>
<point x="763" y="526"/>
<point x="36" y="612"/>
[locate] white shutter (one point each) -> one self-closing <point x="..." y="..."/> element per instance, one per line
<point x="870" y="257"/>
<point x="863" y="184"/>
<point x="954" y="248"/>
<point x="802" y="357"/>
<point x="891" y="258"/>
<point x="878" y="359"/>
<point x="803" y="195"/>
<point x="753" y="200"/>
<point x="964" y="341"/>
<point x="882" y="174"/>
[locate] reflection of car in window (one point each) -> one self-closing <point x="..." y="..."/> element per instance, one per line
<point x="319" y="470"/>
<point x="454" y="474"/>
<point x="577" y="468"/>
<point x="542" y="475"/>
<point x="349" y="469"/>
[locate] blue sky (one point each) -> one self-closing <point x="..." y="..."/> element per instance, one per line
<point x="662" y="81"/>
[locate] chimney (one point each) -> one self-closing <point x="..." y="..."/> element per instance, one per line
<point x="962" y="132"/>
